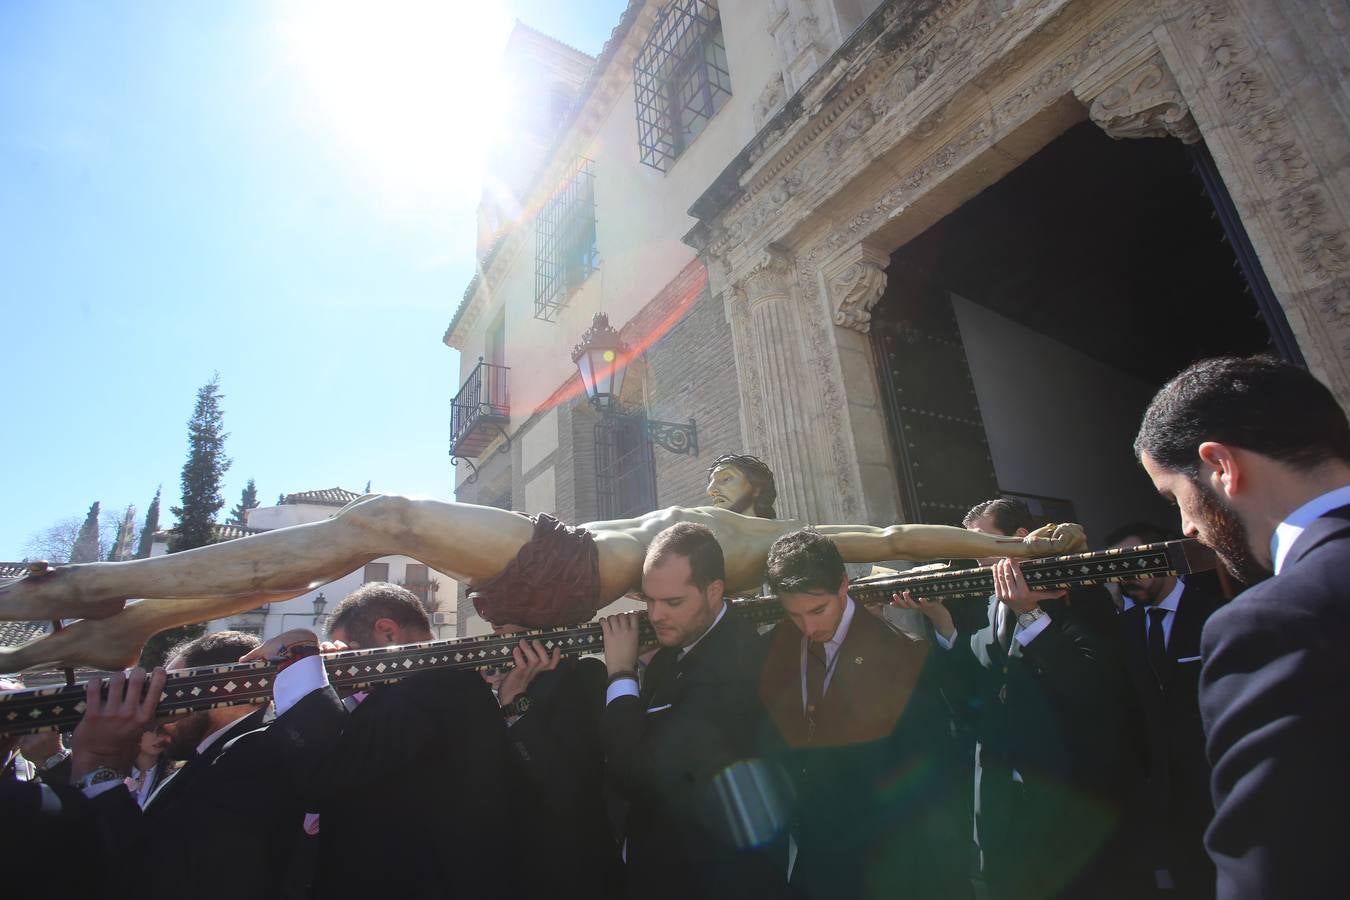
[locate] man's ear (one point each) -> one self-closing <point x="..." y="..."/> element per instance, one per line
<point x="385" y="630"/>
<point x="717" y="589"/>
<point x="1220" y="468"/>
<point x="1021" y="532"/>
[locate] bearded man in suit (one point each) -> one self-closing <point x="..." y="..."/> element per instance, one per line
<point x="1256" y="455"/>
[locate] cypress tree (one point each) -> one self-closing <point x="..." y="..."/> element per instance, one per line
<point x="202" y="474"/>
<point x="86" y="547"/>
<point x="203" y="471"/>
<point x="151" y="526"/>
<point x="248" y="500"/>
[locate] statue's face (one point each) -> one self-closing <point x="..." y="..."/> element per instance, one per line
<point x="728" y="488"/>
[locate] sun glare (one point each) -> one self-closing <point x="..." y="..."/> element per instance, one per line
<point x="411" y="87"/>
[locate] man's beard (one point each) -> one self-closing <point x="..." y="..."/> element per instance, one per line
<point x="1226" y="535"/>
<point x="744" y="505"/>
<point x="187" y="733"/>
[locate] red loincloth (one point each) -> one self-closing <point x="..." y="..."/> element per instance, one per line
<point x="554" y="580"/>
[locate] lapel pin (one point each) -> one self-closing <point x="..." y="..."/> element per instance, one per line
<point x="857" y="660"/>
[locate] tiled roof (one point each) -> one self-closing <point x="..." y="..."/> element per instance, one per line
<point x="12" y="634"/>
<point x="331" y="497"/>
<point x="221" y="532"/>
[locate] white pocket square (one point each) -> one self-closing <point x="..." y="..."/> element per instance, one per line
<point x="659" y="708"/>
<point x="1187" y="659"/>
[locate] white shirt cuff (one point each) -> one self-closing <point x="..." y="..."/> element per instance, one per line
<point x="1026" y="635"/>
<point x="300" y="678"/>
<point x="621" y="687"/>
<point x="95" y="789"/>
<point x="942" y="641"/>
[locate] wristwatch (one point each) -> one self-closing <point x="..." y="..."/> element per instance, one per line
<point x="517" y="707"/>
<point x="1025" y="619"/>
<point x="98" y="776"/>
<point x="53" y="761"/>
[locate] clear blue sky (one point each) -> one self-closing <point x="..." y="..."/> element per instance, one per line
<point x="280" y="192"/>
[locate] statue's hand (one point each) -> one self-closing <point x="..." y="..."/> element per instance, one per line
<point x="1056" y="540"/>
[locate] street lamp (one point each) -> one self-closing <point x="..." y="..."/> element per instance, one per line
<point x="602" y="358"/>
<point x="319" y="603"/>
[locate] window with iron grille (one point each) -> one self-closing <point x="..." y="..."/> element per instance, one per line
<point x="565" y="253"/>
<point x="680" y="79"/>
<point x="625" y="469"/>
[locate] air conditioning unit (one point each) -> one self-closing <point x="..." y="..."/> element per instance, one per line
<point x="442" y="619"/>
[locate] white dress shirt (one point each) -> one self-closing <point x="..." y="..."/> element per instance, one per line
<point x="290" y="685"/>
<point x="1021" y="636"/>
<point x="831" y="649"/>
<point x="628" y="687"/>
<point x="1170" y="603"/>
<point x="1293" y="525"/>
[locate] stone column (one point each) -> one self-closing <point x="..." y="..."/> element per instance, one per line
<point x="779" y="415"/>
<point x="852" y="282"/>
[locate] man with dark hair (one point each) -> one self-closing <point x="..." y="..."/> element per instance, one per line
<point x="1007" y="515"/>
<point x="1256" y="454"/>
<point x="846" y="695"/>
<point x="379" y="614"/>
<point x="742" y="484"/>
<point x="1042" y="685"/>
<point x="1159" y="633"/>
<point x="422" y="786"/>
<point x="188" y="733"/>
<point x="677" y="749"/>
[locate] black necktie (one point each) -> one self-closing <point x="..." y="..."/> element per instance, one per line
<point x="1157" y="641"/>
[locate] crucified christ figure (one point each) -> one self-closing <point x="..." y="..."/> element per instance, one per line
<point x="526" y="571"/>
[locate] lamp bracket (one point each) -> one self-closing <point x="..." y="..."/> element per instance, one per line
<point x="673" y="436"/>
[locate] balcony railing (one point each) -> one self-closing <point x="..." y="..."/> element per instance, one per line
<point x="480" y="411"/>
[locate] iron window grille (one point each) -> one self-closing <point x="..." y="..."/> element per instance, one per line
<point x="625" y="468"/>
<point x="565" y="252"/>
<point x="680" y="80"/>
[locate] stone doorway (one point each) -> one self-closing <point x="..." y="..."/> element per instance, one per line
<point x="1038" y="319"/>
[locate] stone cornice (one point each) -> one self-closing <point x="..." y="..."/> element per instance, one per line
<point x="830" y="92"/>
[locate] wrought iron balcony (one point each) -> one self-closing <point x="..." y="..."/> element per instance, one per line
<point x="479" y="412"/>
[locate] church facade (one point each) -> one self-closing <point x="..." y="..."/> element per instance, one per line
<point x="912" y="254"/>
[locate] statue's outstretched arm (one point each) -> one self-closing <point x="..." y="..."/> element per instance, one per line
<point x="868" y="543"/>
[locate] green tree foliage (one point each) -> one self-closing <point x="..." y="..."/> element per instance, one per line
<point x="202" y="473"/>
<point x="86" y="547"/>
<point x="248" y="500"/>
<point x="151" y="526"/>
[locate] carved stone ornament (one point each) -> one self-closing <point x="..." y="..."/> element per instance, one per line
<point x="1145" y="103"/>
<point x="768" y="277"/>
<point x="855" y="282"/>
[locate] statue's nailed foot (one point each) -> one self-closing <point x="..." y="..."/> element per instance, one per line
<point x="1056" y="540"/>
<point x="52" y="592"/>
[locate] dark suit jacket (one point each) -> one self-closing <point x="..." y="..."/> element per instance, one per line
<point x="423" y="792"/>
<point x="558" y="741"/>
<point x="1173" y="806"/>
<point x="1056" y="715"/>
<point x="50" y="840"/>
<point x="871" y="781"/>
<point x="667" y="753"/>
<point x="1276" y="709"/>
<point x="225" y="823"/>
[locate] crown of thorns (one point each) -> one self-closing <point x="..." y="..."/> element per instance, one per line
<point x="759" y="475"/>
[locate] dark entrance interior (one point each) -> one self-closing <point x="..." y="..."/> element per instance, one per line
<point x="1106" y="268"/>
